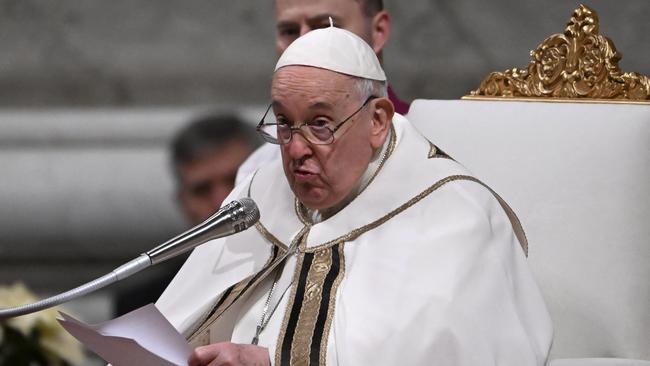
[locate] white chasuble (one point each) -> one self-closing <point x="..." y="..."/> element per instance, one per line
<point x="423" y="267"/>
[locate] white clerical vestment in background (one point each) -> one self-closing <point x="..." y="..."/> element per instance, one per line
<point x="421" y="268"/>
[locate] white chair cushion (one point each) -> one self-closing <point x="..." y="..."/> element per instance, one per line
<point x="578" y="176"/>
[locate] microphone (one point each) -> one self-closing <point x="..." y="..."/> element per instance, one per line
<point x="230" y="219"/>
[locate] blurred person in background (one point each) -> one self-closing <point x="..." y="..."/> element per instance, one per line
<point x="205" y="156"/>
<point x="366" y="18"/>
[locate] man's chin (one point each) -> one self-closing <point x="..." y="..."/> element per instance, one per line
<point x="312" y="197"/>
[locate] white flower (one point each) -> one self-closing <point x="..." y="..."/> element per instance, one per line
<point x="16" y="295"/>
<point x="54" y="340"/>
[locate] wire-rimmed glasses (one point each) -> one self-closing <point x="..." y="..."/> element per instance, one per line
<point x="316" y="132"/>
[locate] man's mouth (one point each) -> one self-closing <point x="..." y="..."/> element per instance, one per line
<point x="304" y="174"/>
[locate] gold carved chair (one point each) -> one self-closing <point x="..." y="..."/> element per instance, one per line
<point x="566" y="141"/>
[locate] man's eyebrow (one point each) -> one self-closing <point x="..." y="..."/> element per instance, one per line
<point x="285" y="24"/>
<point x="316" y="19"/>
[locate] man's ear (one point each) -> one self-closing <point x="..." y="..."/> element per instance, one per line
<point x="380" y="31"/>
<point x="382" y="117"/>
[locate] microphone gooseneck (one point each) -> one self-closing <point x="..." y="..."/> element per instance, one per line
<point x="230" y="219"/>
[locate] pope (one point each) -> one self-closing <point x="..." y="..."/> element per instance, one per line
<point x="374" y="247"/>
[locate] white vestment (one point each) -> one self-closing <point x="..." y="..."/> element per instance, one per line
<point x="263" y="155"/>
<point x="421" y="268"/>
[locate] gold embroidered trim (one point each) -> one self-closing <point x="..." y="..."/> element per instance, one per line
<point x="232" y="299"/>
<point x="202" y="325"/>
<point x="358" y="231"/>
<point x="300" y="212"/>
<point x="310" y="305"/>
<point x="287" y="313"/>
<point x="270" y="237"/>
<point x="514" y="220"/>
<point x="387" y="154"/>
<point x="268" y="268"/>
<point x="332" y="305"/>
<point x="193" y="332"/>
<point x="435" y="152"/>
<point x="258" y="225"/>
<point x="301" y="348"/>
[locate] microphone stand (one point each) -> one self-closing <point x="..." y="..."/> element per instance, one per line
<point x="231" y="218"/>
<point x="134" y="266"/>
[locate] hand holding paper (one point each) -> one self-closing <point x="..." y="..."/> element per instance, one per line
<point x="142" y="337"/>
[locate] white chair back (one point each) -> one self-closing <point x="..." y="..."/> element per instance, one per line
<point x="578" y="176"/>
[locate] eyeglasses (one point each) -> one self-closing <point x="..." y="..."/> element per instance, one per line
<point x="317" y="132"/>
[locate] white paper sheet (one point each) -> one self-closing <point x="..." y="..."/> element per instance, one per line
<point x="142" y="337"/>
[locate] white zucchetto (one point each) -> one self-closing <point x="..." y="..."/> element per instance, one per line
<point x="334" y="49"/>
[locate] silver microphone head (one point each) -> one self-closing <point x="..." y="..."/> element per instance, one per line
<point x="232" y="218"/>
<point x="247" y="214"/>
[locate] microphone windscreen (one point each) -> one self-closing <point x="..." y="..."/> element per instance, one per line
<point x="250" y="210"/>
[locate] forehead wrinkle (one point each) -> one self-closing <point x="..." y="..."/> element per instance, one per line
<point x="321" y="105"/>
<point x="319" y="88"/>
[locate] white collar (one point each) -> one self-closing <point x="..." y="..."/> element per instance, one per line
<point x="405" y="174"/>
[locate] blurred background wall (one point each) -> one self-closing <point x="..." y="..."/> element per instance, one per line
<point x="91" y="92"/>
<point x="134" y="53"/>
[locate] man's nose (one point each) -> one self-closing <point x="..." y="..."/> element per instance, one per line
<point x="305" y="29"/>
<point x="298" y="147"/>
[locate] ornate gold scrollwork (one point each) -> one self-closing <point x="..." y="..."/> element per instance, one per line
<point x="580" y="63"/>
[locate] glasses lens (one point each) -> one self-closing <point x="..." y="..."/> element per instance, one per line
<point x="284" y="133"/>
<point x="275" y="132"/>
<point x="319" y="134"/>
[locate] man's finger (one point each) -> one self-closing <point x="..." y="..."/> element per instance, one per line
<point x="204" y="354"/>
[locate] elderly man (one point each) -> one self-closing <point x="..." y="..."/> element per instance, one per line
<point x="373" y="248"/>
<point x="366" y="18"/>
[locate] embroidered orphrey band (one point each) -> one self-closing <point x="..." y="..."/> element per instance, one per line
<point x="308" y="319"/>
<point x="230" y="296"/>
<point x="514" y="220"/>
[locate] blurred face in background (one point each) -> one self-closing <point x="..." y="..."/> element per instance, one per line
<point x="297" y="17"/>
<point x="206" y="181"/>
